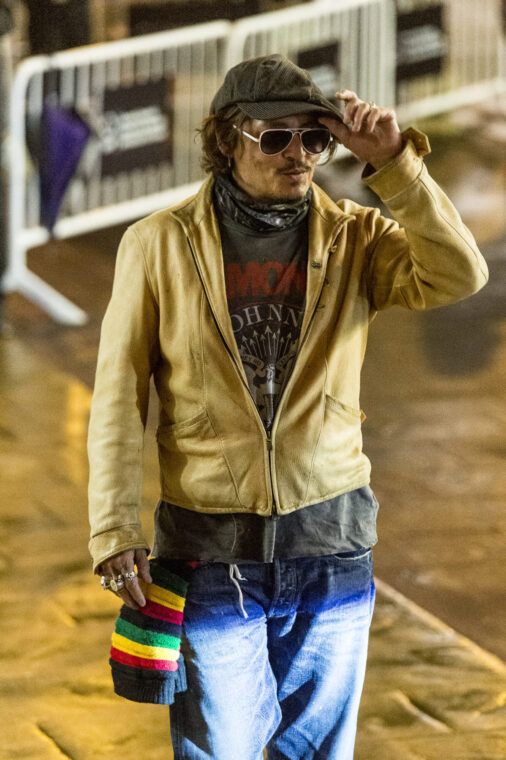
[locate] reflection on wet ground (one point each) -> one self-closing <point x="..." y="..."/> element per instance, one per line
<point x="429" y="692"/>
<point x="434" y="389"/>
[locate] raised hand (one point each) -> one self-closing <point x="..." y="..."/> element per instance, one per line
<point x="369" y="131"/>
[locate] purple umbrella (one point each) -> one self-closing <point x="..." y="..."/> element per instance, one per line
<point x="64" y="137"/>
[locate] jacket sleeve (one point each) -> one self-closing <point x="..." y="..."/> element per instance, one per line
<point x="127" y="354"/>
<point x="426" y="257"/>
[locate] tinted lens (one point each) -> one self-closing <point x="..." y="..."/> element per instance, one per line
<point x="274" y="141"/>
<point x="315" y="140"/>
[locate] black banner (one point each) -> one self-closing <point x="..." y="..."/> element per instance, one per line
<point x="324" y="65"/>
<point x="136" y="128"/>
<point x="56" y="25"/>
<point x="422" y="43"/>
<point x="156" y="17"/>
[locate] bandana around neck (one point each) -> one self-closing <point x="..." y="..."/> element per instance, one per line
<point x="262" y="217"/>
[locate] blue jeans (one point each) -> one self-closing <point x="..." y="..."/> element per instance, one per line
<point x="289" y="675"/>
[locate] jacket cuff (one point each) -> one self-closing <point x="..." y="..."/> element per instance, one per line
<point x="397" y="175"/>
<point x="111" y="542"/>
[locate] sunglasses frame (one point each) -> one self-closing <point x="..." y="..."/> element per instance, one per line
<point x="296" y="131"/>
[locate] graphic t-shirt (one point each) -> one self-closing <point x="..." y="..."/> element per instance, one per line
<point x="265" y="275"/>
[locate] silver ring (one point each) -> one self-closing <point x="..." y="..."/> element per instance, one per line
<point x="105" y="583"/>
<point x="116" y="584"/>
<point x="129" y="576"/>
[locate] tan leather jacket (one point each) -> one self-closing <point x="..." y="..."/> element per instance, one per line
<point x="168" y="317"/>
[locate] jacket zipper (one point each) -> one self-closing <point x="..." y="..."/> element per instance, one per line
<point x="270" y="453"/>
<point x="245" y="384"/>
<point x="283" y="394"/>
<point x="270" y="446"/>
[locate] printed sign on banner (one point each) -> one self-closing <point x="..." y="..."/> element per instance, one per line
<point x="136" y="127"/>
<point x="422" y="43"/>
<point x="324" y="64"/>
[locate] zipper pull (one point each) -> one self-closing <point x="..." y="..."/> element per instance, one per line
<point x="269" y="442"/>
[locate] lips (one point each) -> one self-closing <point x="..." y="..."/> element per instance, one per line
<point x="294" y="172"/>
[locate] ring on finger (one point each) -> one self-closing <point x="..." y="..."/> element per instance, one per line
<point x="371" y="104"/>
<point x="128" y="577"/>
<point x="116" y="584"/>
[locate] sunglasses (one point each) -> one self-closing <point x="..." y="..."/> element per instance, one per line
<point x="273" y="141"/>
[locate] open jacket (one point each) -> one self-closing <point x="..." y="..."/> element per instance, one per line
<point x="168" y="317"/>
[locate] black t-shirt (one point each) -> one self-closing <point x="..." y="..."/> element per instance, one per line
<point x="265" y="274"/>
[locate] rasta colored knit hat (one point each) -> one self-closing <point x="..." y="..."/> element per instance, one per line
<point x="271" y="87"/>
<point x="145" y="660"/>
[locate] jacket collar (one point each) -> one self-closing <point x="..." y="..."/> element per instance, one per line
<point x="325" y="223"/>
<point x="200" y="223"/>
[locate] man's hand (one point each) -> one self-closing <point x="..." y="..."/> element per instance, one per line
<point x="123" y="563"/>
<point x="368" y="131"/>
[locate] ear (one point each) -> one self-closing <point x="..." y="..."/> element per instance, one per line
<point x="224" y="150"/>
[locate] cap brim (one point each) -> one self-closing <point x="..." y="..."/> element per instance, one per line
<point x="276" y="109"/>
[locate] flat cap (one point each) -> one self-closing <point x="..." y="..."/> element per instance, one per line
<point x="270" y="87"/>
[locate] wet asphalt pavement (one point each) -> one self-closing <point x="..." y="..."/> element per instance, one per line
<point x="434" y="388"/>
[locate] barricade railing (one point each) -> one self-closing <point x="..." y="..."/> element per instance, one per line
<point x="143" y="98"/>
<point x="342" y="44"/>
<point x="450" y="54"/>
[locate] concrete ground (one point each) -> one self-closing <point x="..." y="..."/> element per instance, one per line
<point x="434" y="391"/>
<point x="430" y="693"/>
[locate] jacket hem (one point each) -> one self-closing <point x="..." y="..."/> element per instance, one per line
<point x="358" y="483"/>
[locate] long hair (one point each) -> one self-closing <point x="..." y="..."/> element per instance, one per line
<point x="218" y="131"/>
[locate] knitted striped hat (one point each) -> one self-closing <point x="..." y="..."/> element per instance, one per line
<point x="145" y="654"/>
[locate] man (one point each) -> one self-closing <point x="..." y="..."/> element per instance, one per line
<point x="250" y="305"/>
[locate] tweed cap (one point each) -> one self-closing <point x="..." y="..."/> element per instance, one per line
<point x="271" y="87"/>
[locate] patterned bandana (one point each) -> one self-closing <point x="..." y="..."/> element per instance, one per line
<point x="262" y="217"/>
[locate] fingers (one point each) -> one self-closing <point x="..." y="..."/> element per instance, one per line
<point x="142" y="562"/>
<point x="352" y="103"/>
<point x="335" y="127"/>
<point x="357" y="112"/>
<point x="123" y="564"/>
<point x="360" y="115"/>
<point x="132" y="595"/>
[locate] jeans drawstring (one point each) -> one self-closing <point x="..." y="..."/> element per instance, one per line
<point x="235" y="577"/>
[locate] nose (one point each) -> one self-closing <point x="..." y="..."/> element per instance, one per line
<point x="295" y="147"/>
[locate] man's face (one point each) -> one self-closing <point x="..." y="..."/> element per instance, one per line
<point x="285" y="176"/>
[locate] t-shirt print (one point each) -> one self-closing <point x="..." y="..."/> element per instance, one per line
<point x="266" y="305"/>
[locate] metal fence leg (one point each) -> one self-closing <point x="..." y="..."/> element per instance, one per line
<point x="38" y="291"/>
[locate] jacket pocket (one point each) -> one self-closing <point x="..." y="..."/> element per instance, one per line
<point x="338" y="406"/>
<point x="179" y="428"/>
<point x="193" y="470"/>
<point x="338" y="463"/>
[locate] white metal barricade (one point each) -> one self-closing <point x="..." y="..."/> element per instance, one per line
<point x="469" y="42"/>
<point x="350" y="43"/>
<point x="343" y="44"/>
<point x="185" y="66"/>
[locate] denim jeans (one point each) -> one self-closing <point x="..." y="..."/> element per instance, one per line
<point x="289" y="675"/>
